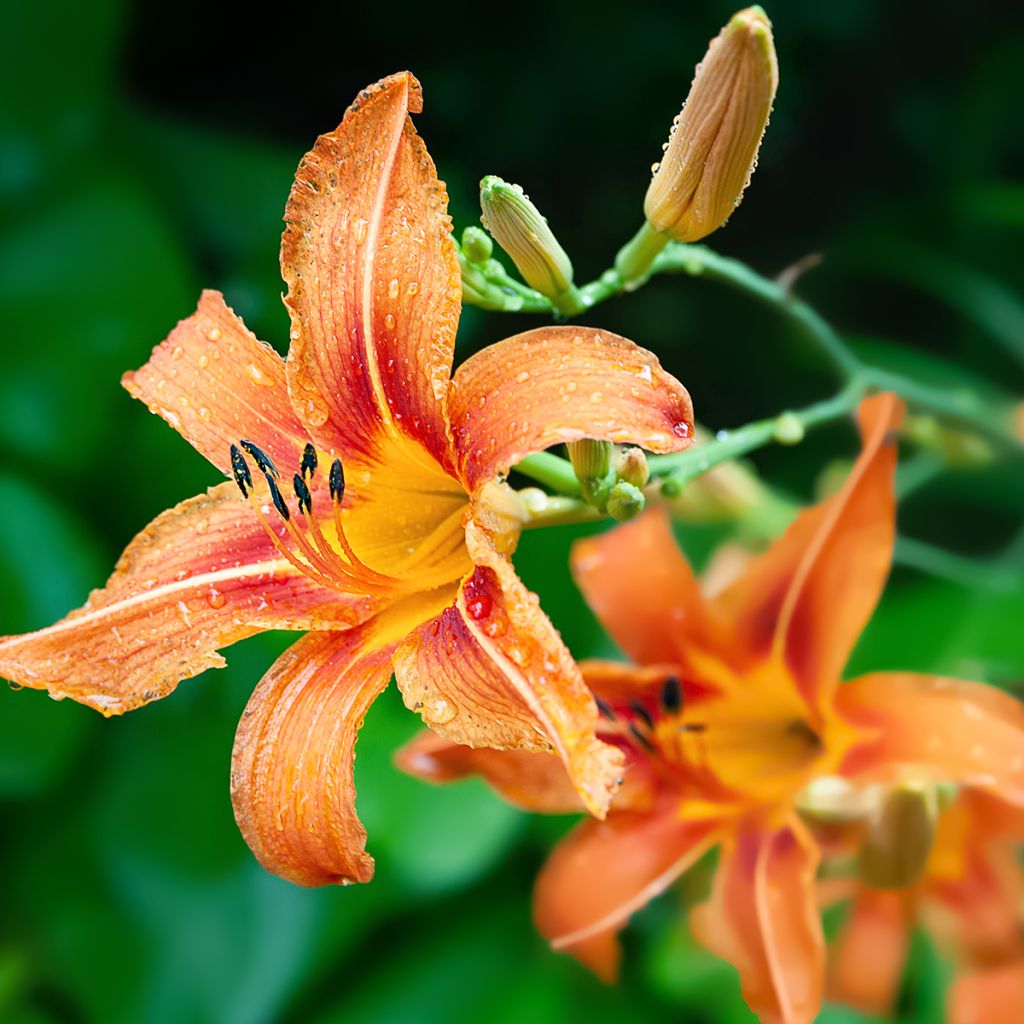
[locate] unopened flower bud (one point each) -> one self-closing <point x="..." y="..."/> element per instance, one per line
<point x="900" y="836"/>
<point x="788" y="429"/>
<point x="957" y="447"/>
<point x="713" y="146"/>
<point x="590" y="459"/>
<point x="625" y="501"/>
<point x="523" y="233"/>
<point x="477" y="245"/>
<point x="633" y="467"/>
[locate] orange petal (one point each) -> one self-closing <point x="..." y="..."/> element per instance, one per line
<point x="638" y="584"/>
<point x="533" y="781"/>
<point x="762" y="917"/>
<point x="618" y="683"/>
<point x="215" y="383"/>
<point x="604" y="871"/>
<point x="810" y="596"/>
<point x="201" y="576"/>
<point x="374" y="287"/>
<point x="491" y="671"/>
<point x="867" y="965"/>
<point x="958" y="731"/>
<point x="559" y="384"/>
<point x="291" y="770"/>
<point x="991" y="996"/>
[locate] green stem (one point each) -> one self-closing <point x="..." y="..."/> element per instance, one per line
<point x="684" y="466"/>
<point x="552" y="471"/>
<point x="636" y="258"/>
<point x="699" y="261"/>
<point x="561" y="511"/>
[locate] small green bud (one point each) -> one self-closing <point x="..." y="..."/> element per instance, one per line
<point x="633" y="467"/>
<point x="788" y="429"/>
<point x="519" y="228"/>
<point x="900" y="837"/>
<point x="590" y="459"/>
<point x="671" y="488"/>
<point x="477" y="245"/>
<point x="625" y="501"/>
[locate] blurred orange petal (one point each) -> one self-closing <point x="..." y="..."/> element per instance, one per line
<point x="604" y="871"/>
<point x="201" y="576"/>
<point x="809" y="597"/>
<point x="638" y="584"/>
<point x="762" y="917"/>
<point x="492" y="671"/>
<point x="993" y="995"/>
<point x="957" y="731"/>
<point x="867" y="964"/>
<point x="215" y="383"/>
<point x="533" y="781"/>
<point x="374" y="287"/>
<point x="555" y="384"/>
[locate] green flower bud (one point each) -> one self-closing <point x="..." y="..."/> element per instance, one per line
<point x="633" y="467"/>
<point x="625" y="501"/>
<point x="590" y="459"/>
<point x="477" y="245"/>
<point x="788" y="429"/>
<point x="519" y="228"/>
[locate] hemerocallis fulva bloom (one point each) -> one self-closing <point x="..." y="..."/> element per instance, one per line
<point x="970" y="896"/>
<point x="733" y="709"/>
<point x="373" y="511"/>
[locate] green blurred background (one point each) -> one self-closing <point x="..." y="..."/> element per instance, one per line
<point x="146" y="151"/>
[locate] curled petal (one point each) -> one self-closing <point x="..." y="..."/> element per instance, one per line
<point x="201" y="576"/>
<point x="762" y="917"/>
<point x="215" y="383"/>
<point x="491" y="671"/>
<point x="866" y="969"/>
<point x="291" y="770"/>
<point x="604" y="871"/>
<point x="993" y="995"/>
<point x="533" y="781"/>
<point x="638" y="584"/>
<point x="374" y="287"/>
<point x="559" y="384"/>
<point x="959" y="731"/>
<point x="809" y="597"/>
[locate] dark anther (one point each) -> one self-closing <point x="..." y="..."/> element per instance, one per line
<point x="302" y="494"/>
<point x="278" y="500"/>
<point x="308" y="467"/>
<point x="261" y="458"/>
<point x="802" y="730"/>
<point x="604" y="709"/>
<point x="640" y="737"/>
<point x="240" y="471"/>
<point x="693" y="727"/>
<point x="337" y="481"/>
<point x="671" y="696"/>
<point x="642" y="713"/>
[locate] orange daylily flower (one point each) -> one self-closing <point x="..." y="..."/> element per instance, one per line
<point x="375" y="515"/>
<point x="734" y="710"/>
<point x="970" y="896"/>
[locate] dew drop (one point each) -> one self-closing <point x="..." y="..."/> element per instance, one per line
<point x="316" y="412"/>
<point x="439" y="711"/>
<point x="177" y="352"/>
<point x="681" y="429"/>
<point x="360" y="231"/>
<point x="413" y="287"/>
<point x="520" y="655"/>
<point x="393" y="288"/>
<point x="215" y="599"/>
<point x="214" y="334"/>
<point x="522" y="376"/>
<point x="203" y="361"/>
<point x="389" y="321"/>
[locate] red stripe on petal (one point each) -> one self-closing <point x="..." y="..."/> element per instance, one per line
<point x="200" y="577"/>
<point x="374" y="286"/>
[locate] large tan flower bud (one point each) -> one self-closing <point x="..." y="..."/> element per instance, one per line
<point x="713" y="146"/>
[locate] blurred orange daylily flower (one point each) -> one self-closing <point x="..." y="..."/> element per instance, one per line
<point x="734" y="710"/>
<point x="393" y="551"/>
<point x="971" y="898"/>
